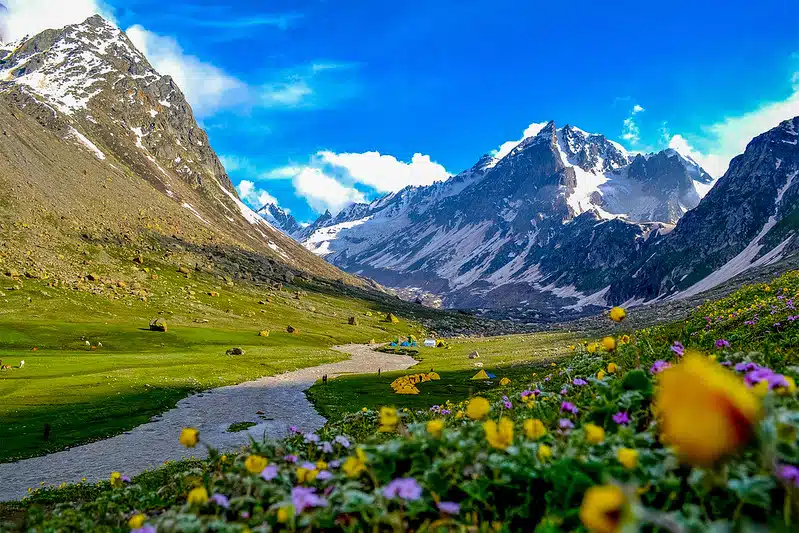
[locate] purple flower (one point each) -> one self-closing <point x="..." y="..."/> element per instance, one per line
<point x="245" y="514"/>
<point x="334" y="463"/>
<point x="308" y="466"/>
<point x="678" y="348"/>
<point x="311" y="437"/>
<point x="564" y="391"/>
<point x="580" y="382"/>
<point x="343" y="441"/>
<point x="406" y="488"/>
<point x="526" y="394"/>
<point x="294" y="429"/>
<point x="124" y="478"/>
<point x="722" y="343"/>
<point x="508" y="405"/>
<point x="565" y="424"/>
<point x="445" y="411"/>
<point x="756" y="376"/>
<point x="147" y="528"/>
<point x="305" y="497"/>
<point x="449" y="507"/>
<point x="291" y="458"/>
<point x="324" y="475"/>
<point x="568" y="407"/>
<point x="537" y="392"/>
<point x="326" y="447"/>
<point x="269" y="473"/>
<point x="221" y="500"/>
<point x="746" y="366"/>
<point x="788" y="473"/>
<point x="621" y="418"/>
<point x="659" y="366"/>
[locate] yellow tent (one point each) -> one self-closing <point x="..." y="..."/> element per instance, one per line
<point x="407" y="389"/>
<point x="481" y="375"/>
<point x="433" y="376"/>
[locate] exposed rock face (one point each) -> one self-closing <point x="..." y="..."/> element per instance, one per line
<point x="748" y="219"/>
<point x="548" y="225"/>
<point x="100" y="141"/>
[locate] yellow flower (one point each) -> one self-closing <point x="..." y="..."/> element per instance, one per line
<point x="789" y="390"/>
<point x="617" y="314"/>
<point x="189" y="437"/>
<point x="504" y="381"/>
<point x="544" y="453"/>
<point x="321" y="465"/>
<point x="459" y="415"/>
<point x="600" y="374"/>
<point x="435" y="427"/>
<point x="356" y="464"/>
<point x="305" y="475"/>
<point x="592" y="348"/>
<point x="625" y="339"/>
<point x="594" y="434"/>
<point x="364" y="409"/>
<point x="609" y="344"/>
<point x="478" y="408"/>
<point x="628" y="457"/>
<point x="612" y="368"/>
<point x="705" y="410"/>
<point x="197" y="496"/>
<point x="116" y="480"/>
<point x="534" y="428"/>
<point x="136" y="521"/>
<point x="603" y="509"/>
<point x="389" y="420"/>
<point x="283" y="515"/>
<point x="500" y="435"/>
<point x="255" y="464"/>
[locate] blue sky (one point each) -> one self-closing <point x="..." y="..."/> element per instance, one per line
<point x="295" y="94"/>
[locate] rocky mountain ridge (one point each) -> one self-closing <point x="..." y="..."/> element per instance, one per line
<point x="95" y="138"/>
<point x="545" y="226"/>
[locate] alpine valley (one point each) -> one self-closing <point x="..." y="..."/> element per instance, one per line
<point x="570" y="221"/>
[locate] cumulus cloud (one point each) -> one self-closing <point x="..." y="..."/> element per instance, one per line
<point x="207" y="87"/>
<point x="385" y="173"/>
<point x="631" y="132"/>
<point x="324" y="192"/>
<point x="255" y="197"/>
<point x="506" y="147"/>
<point x="728" y="137"/>
<point x="29" y="17"/>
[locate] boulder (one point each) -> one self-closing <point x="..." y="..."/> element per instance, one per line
<point x="184" y="270"/>
<point x="158" y="324"/>
<point x="474" y="355"/>
<point x="352" y="321"/>
<point x="391" y="317"/>
<point x="235" y="351"/>
<point x="292" y="329"/>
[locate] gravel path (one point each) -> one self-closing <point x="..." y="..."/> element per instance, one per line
<point x="281" y="398"/>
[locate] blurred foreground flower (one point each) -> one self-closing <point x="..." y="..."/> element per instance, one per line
<point x="705" y="410"/>
<point x="603" y="509"/>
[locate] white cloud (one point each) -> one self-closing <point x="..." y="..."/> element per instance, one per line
<point x="29" y="17"/>
<point x="254" y="196"/>
<point x="631" y="132"/>
<point x="506" y="147"/>
<point x="207" y="87"/>
<point x="728" y="138"/>
<point x="285" y="94"/>
<point x="322" y="191"/>
<point x="385" y="173"/>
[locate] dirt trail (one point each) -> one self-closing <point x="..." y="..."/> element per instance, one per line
<point x="281" y="398"/>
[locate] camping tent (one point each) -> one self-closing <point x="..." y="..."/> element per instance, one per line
<point x="481" y="375"/>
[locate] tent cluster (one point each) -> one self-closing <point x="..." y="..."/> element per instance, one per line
<point x="411" y="341"/>
<point x="483" y="375"/>
<point x="407" y="384"/>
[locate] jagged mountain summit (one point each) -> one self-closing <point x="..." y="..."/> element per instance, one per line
<point x="280" y="219"/>
<point x="95" y="138"/>
<point x="748" y="219"/>
<point x="548" y="225"/>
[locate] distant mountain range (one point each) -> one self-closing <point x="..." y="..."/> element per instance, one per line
<point x="569" y="221"/>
